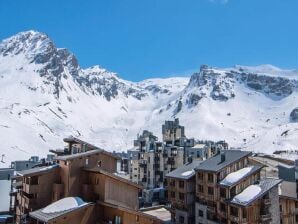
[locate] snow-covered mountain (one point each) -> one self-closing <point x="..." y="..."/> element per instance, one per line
<point x="45" y="95"/>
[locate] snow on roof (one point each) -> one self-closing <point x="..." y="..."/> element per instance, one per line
<point x="188" y="173"/>
<point x="254" y="192"/>
<point x="64" y="204"/>
<point x="248" y="194"/>
<point x="160" y="213"/>
<point x="236" y="176"/>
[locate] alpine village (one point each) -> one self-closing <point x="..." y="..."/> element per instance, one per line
<point x="177" y="180"/>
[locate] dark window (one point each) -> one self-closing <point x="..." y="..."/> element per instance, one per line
<point x="201" y="213"/>
<point x="244" y="214"/>
<point x="173" y="195"/>
<point x="172" y="183"/>
<point x="200" y="188"/>
<point x="181" y="219"/>
<point x="181" y="184"/>
<point x="233" y="192"/>
<point x="210" y="191"/>
<point x="210" y="177"/>
<point x="234" y="211"/>
<point x="34" y="180"/>
<point x="222" y="207"/>
<point x="223" y="193"/>
<point x="200" y="176"/>
<point x="181" y="196"/>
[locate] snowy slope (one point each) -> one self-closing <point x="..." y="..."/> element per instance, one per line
<point x="45" y="95"/>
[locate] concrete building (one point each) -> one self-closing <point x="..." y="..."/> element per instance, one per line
<point x="151" y="160"/>
<point x="81" y="187"/>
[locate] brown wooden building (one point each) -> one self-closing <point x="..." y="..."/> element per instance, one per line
<point x="83" y="172"/>
<point x="181" y="192"/>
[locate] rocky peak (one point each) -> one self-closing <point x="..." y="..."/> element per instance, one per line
<point x="30" y="43"/>
<point x="217" y="84"/>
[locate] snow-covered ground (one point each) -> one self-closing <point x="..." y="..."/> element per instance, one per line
<point x="46" y="96"/>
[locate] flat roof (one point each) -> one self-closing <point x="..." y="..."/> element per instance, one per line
<point x="46" y="217"/>
<point x="186" y="171"/>
<point x="265" y="185"/>
<point x="37" y="170"/>
<point x="215" y="164"/>
<point x="101" y="171"/>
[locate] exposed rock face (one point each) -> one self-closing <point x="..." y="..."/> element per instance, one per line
<point x="275" y="87"/>
<point x="294" y="115"/>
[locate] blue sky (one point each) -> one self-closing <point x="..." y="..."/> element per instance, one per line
<point x="150" y="38"/>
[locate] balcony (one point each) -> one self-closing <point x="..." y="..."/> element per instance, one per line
<point x="30" y="189"/>
<point x="265" y="218"/>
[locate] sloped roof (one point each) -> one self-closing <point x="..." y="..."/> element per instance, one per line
<point x="59" y="208"/>
<point x="181" y="172"/>
<point x="235" y="177"/>
<point x="37" y="170"/>
<point x="215" y="164"/>
<point x="265" y="185"/>
<point x="101" y="171"/>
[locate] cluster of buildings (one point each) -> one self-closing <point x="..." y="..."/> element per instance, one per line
<point x="234" y="187"/>
<point x="80" y="185"/>
<point x="176" y="180"/>
<point x="151" y="160"/>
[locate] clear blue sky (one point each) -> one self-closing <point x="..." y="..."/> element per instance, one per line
<point x="150" y="38"/>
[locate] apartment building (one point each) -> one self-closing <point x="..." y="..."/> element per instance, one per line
<point x="181" y="192"/>
<point x="81" y="187"/>
<point x="229" y="190"/>
<point x="151" y="160"/>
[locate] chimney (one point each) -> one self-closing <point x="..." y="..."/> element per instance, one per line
<point x="222" y="156"/>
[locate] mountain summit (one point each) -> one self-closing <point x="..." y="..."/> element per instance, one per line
<point x="45" y="95"/>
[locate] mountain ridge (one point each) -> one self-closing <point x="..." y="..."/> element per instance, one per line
<point x="46" y="95"/>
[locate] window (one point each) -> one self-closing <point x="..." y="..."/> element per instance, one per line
<point x="223" y="193"/>
<point x="200" y="176"/>
<point x="87" y="162"/>
<point x="222" y="207"/>
<point x="210" y="191"/>
<point x="201" y="213"/>
<point x="233" y="192"/>
<point x="173" y="195"/>
<point x="181" y="196"/>
<point x="181" y="219"/>
<point x="234" y="211"/>
<point x="99" y="163"/>
<point x="181" y="184"/>
<point x="244" y="215"/>
<point x="200" y="188"/>
<point x="117" y="220"/>
<point x="210" y="177"/>
<point x="172" y="183"/>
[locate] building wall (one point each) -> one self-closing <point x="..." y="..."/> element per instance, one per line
<point x="127" y="217"/>
<point x="289" y="209"/>
<point x="71" y="171"/>
<point x="113" y="191"/>
<point x="82" y="216"/>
